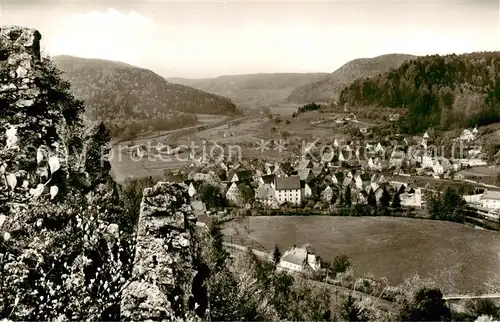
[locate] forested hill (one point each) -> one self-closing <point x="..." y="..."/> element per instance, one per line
<point x="328" y="88"/>
<point x="118" y="94"/>
<point x="440" y="91"/>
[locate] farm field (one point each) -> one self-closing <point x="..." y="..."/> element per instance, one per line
<point x="458" y="258"/>
<point x="485" y="171"/>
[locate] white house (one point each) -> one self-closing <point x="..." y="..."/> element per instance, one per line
<point x="305" y="190"/>
<point x="425" y="136"/>
<point x="341" y="157"/>
<point x="475" y="131"/>
<point x="191" y="190"/>
<point x="327" y="194"/>
<point x="473" y="162"/>
<point x="266" y="194"/>
<point x="233" y="193"/>
<point x="427" y="161"/>
<point x="467" y="136"/>
<point x="413" y="199"/>
<point x="490" y="200"/>
<point x="298" y="260"/>
<point x="202" y="177"/>
<point x="288" y="189"/>
<point x="379" y="148"/>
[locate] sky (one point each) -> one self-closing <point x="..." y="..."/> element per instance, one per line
<point x="208" y="38"/>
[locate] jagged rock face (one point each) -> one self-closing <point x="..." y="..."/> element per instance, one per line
<point x="34" y="131"/>
<point x="163" y="255"/>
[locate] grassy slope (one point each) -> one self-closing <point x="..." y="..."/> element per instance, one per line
<point x="329" y="87"/>
<point x="461" y="259"/>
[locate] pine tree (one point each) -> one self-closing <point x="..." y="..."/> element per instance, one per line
<point x="372" y="199"/>
<point x="276" y="255"/>
<point x="347" y="197"/>
<point x="385" y="199"/>
<point x="396" y="201"/>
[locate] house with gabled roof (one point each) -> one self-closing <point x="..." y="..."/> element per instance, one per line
<point x="193" y="187"/>
<point x="267" y="180"/>
<point x="338" y="178"/>
<point x="327" y="194"/>
<point x="288" y="189"/>
<point x="299" y="259"/>
<point x="278" y="171"/>
<point x="411" y="197"/>
<point x="327" y="157"/>
<point x="341" y="157"/>
<point x="240" y="176"/>
<point x="347" y="182"/>
<point x="467" y="136"/>
<point x="490" y="200"/>
<point x="233" y="193"/>
<point x="266" y="194"/>
<point x="378" y="178"/>
<point x="316" y="171"/>
<point x="304" y="164"/>
<point x="305" y="190"/>
<point x="304" y="174"/>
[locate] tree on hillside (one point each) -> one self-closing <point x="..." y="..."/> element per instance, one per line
<point x="347" y="197"/>
<point x="479" y="307"/>
<point x="212" y="196"/>
<point x="448" y="206"/>
<point x="351" y="311"/>
<point x="396" y="201"/>
<point x="218" y="255"/>
<point x="246" y="193"/>
<point x="276" y="255"/>
<point x="426" y="305"/>
<point x="372" y="199"/>
<point x="340" y="264"/>
<point x="385" y="199"/>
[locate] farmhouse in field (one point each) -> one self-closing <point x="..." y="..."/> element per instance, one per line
<point x="299" y="259"/>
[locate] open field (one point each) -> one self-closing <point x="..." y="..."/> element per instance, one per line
<point x="460" y="259"/>
<point x="485" y="171"/>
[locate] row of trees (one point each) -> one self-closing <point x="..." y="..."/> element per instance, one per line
<point x="385" y="201"/>
<point x="128" y="128"/>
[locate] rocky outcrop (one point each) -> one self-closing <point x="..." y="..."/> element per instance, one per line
<point x="38" y="136"/>
<point x="163" y="272"/>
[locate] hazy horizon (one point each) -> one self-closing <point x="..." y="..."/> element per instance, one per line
<point x="210" y="39"/>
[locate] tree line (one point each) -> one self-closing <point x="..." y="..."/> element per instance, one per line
<point x="439" y="91"/>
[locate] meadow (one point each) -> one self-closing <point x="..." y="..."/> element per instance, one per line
<point x="458" y="258"/>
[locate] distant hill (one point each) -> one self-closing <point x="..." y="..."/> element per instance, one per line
<point x="123" y="95"/>
<point x="252" y="89"/>
<point x="328" y="88"/>
<point x="440" y="91"/>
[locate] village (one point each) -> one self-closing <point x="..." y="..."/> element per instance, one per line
<point x="401" y="170"/>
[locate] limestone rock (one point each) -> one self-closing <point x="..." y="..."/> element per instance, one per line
<point x="163" y="255"/>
